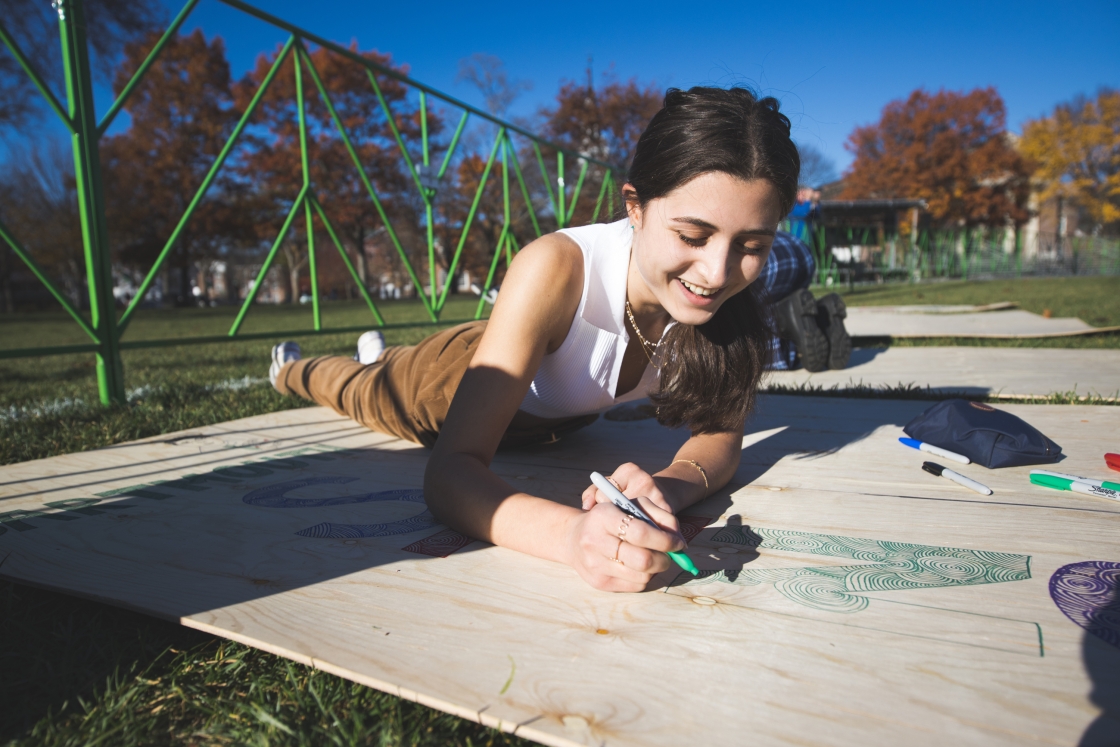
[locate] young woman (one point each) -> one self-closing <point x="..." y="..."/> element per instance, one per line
<point x="657" y="305"/>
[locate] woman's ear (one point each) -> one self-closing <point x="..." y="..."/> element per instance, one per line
<point x="633" y="208"/>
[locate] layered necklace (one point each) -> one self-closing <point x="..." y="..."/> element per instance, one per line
<point x="649" y="348"/>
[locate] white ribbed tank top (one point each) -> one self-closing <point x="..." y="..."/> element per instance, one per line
<point x="581" y="376"/>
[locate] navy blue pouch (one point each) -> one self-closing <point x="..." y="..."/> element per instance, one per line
<point x="982" y="433"/>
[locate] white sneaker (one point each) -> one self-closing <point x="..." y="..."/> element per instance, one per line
<point x="370" y="346"/>
<point x="282" y="354"/>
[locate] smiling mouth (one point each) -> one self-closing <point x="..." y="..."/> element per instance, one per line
<point x="699" y="290"/>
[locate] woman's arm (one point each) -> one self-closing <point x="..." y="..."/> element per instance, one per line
<point x="532" y="317"/>
<point x="681" y="483"/>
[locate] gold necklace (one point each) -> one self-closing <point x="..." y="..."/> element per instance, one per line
<point x="646" y="344"/>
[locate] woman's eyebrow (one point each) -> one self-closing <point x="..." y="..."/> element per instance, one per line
<point x="701" y="223"/>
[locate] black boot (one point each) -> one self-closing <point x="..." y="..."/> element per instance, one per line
<point x="796" y="319"/>
<point x="831" y="313"/>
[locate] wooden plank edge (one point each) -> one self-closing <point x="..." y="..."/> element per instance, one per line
<point x="1038" y="336"/>
<point x="295" y="656"/>
<point x="520" y="729"/>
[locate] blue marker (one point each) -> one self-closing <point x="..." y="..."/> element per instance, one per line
<point x="913" y="443"/>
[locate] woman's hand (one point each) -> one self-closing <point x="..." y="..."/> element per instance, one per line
<point x="632" y="480"/>
<point x="615" y="552"/>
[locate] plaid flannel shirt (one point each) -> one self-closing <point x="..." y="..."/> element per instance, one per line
<point x="789" y="268"/>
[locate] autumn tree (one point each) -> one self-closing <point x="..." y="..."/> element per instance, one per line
<point x="1076" y="151"/>
<point x="273" y="164"/>
<point x="950" y="149"/>
<point x="182" y="114"/>
<point x="38" y="203"/>
<point x="110" y="26"/>
<point x="603" y="122"/>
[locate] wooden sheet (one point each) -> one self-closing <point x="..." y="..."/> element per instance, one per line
<point x="901" y="321"/>
<point x="972" y="370"/>
<point x="849" y="597"/>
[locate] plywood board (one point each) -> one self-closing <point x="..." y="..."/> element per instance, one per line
<point x="848" y="597"/>
<point x="972" y="370"/>
<point x="902" y="321"/>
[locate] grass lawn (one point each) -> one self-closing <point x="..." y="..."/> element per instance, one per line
<point x="78" y="672"/>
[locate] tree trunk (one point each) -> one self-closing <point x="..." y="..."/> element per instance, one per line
<point x="291" y="255"/>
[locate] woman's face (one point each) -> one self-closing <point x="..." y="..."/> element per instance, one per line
<point x="701" y="244"/>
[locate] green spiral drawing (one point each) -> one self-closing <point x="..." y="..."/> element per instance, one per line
<point x="895" y="566"/>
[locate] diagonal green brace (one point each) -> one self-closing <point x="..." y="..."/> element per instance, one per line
<point x="22" y="254"/>
<point x="25" y="63"/>
<point x="143" y="69"/>
<point x="607" y="180"/>
<point x="521" y="182"/>
<point x="346" y="258"/>
<point x="501" y="246"/>
<point x="268" y="261"/>
<point x="576" y="191"/>
<point x="470" y="219"/>
<point x="210" y="175"/>
<point x="369" y="187"/>
<point x="397" y="134"/>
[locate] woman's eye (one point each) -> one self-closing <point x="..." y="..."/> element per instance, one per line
<point x="693" y="241"/>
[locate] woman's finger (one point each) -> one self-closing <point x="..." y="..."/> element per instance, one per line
<point x="644" y="561"/>
<point x="663" y="518"/>
<point x="632" y="480"/>
<point x="653" y="538"/>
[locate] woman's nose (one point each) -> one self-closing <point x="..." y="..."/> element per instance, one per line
<point x="718" y="266"/>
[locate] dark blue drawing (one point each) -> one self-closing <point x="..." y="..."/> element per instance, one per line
<point x="275" y="496"/>
<point x="1089" y="594"/>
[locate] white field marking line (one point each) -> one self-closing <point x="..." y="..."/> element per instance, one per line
<point x="58" y="407"/>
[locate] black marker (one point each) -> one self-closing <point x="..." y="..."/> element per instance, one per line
<point x="957" y="477"/>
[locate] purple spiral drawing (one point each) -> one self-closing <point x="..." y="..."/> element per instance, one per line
<point x="1089" y="594"/>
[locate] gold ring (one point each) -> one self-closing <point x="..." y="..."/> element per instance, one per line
<point x="624" y="526"/>
<point x="615" y="558"/>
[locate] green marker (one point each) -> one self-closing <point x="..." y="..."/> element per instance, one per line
<point x="628" y="506"/>
<point x="1077" y="478"/>
<point x="1062" y="483"/>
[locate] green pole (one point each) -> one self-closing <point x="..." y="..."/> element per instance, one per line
<point x="521" y="183"/>
<point x="311" y="267"/>
<point x="424" y="126"/>
<point x="560" y="190"/>
<point x="602" y="191"/>
<point x="91" y="204"/>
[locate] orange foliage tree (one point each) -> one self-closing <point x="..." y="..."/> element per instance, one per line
<point x="182" y="113"/>
<point x="1077" y="152"/>
<point x="273" y="165"/>
<point x="950" y="149"/>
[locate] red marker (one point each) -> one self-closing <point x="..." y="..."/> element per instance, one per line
<point x="1113" y="461"/>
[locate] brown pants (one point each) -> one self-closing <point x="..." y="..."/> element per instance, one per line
<point x="407" y="392"/>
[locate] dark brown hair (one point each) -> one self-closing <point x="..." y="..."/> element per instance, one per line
<point x="712" y="371"/>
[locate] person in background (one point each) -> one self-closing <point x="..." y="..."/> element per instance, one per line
<point x="810" y="332"/>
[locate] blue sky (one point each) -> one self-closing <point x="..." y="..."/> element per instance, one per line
<point x="833" y="65"/>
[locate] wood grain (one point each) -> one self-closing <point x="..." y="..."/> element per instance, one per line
<point x="951" y="636"/>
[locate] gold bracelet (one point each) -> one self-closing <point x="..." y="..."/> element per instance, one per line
<point x="697" y="466"/>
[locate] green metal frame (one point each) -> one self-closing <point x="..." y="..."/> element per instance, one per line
<point x="77" y="113"/>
